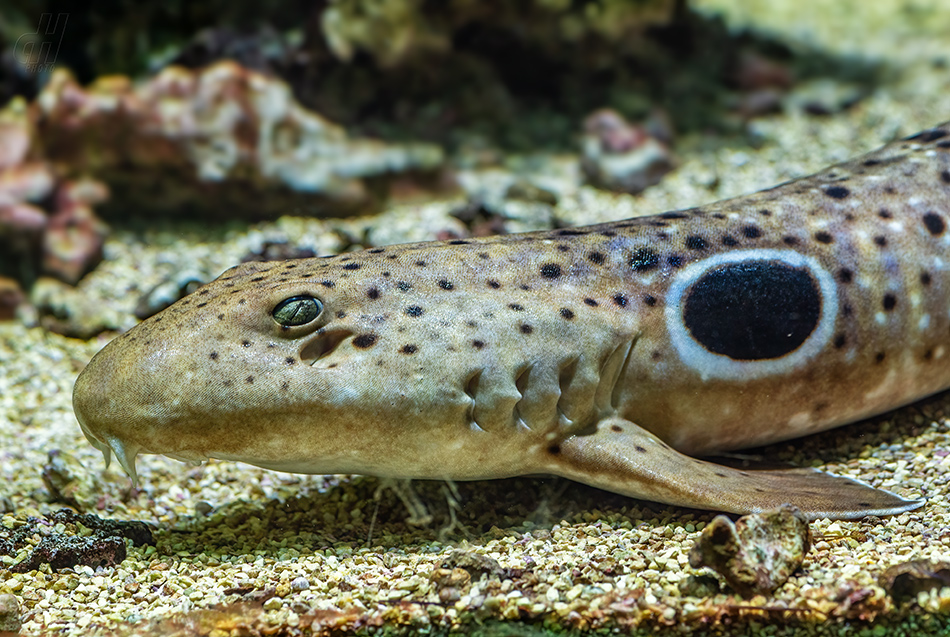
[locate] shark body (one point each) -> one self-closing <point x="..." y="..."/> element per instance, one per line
<point x="612" y="354"/>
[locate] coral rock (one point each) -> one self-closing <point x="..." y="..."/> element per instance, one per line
<point x="9" y="614"/>
<point x="904" y="581"/>
<point x="223" y="140"/>
<point x="620" y="156"/>
<point x="758" y="553"/>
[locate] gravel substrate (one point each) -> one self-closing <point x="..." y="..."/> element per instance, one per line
<point x="240" y="550"/>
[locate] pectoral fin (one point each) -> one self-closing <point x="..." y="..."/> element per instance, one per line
<point x="622" y="457"/>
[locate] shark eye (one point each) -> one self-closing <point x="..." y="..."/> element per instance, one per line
<point x="297" y="310"/>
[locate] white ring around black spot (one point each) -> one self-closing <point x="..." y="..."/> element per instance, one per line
<point x="717" y="366"/>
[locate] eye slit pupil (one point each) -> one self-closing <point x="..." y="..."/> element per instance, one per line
<point x="297" y="310"/>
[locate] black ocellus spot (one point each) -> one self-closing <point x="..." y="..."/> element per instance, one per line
<point x="753" y="311"/>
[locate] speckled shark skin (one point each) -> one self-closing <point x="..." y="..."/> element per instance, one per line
<point x="610" y="354"/>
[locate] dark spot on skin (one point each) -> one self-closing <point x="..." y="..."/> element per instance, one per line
<point x="890" y="302"/>
<point x="608" y="233"/>
<point x="285" y="385"/>
<point x="620" y="300"/>
<point x="644" y="259"/>
<point x="695" y="242"/>
<point x="550" y="270"/>
<point x="414" y="310"/>
<point x="256" y="279"/>
<point x="847" y="310"/>
<point x="458" y="242"/>
<point x="203" y="292"/>
<point x="765" y="212"/>
<point x="590" y="302"/>
<point x="845" y="275"/>
<point x="945" y="176"/>
<point x="471" y="323"/>
<point x="880" y="241"/>
<point x="753" y="310"/>
<point x="377" y="250"/>
<point x="372" y="293"/>
<point x="246" y="343"/>
<point x="392" y="256"/>
<point x="516" y="307"/>
<point x="341" y="314"/>
<point x="673" y="215"/>
<point x="566" y="313"/>
<point x="837" y="192"/>
<point x="290" y="360"/>
<point x="483" y="255"/>
<point x="675" y="261"/>
<point x="524" y="287"/>
<point x="823" y="237"/>
<point x="421" y="263"/>
<point x="790" y="240"/>
<point x="649" y="300"/>
<point x="202" y="304"/>
<point x="596" y="257"/>
<point x="884" y="213"/>
<point x="925" y="278"/>
<point x="526" y="329"/>
<point x="729" y="241"/>
<point x="934" y="223"/>
<point x="249" y="380"/>
<point x="944" y="144"/>
<point x="840" y="341"/>
<point x="751" y="232"/>
<point x="327" y="284"/>
<point x="446" y="285"/>
<point x="352" y="266"/>
<point x="364" y="341"/>
<point x="569" y="232"/>
<point x="721" y="475"/>
<point x="879" y="357"/>
<point x="563" y="248"/>
<point x="220" y="317"/>
<point x="403" y="286"/>
<point x="929" y="354"/>
<point x="554" y="449"/>
<point x="616" y="428"/>
<point x="478" y="344"/>
<point x="213" y="356"/>
<point x="409" y="349"/>
<point x="656" y="355"/>
<point x="492" y="283"/>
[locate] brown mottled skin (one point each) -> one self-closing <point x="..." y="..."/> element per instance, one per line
<point x="553" y="352"/>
